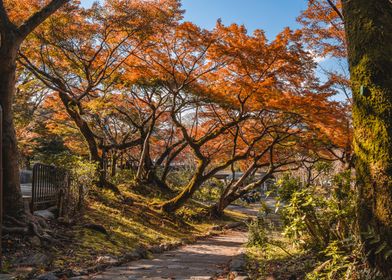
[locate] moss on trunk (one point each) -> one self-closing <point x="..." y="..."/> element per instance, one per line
<point x="197" y="180"/>
<point x="369" y="36"/>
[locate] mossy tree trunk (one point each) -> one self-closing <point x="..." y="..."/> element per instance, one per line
<point x="197" y="180"/>
<point x="369" y="36"/>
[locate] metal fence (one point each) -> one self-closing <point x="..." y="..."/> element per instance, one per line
<point x="49" y="188"/>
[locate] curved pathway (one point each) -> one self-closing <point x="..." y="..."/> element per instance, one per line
<point x="206" y="259"/>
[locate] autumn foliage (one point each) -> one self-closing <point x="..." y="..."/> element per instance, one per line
<point x="130" y="85"/>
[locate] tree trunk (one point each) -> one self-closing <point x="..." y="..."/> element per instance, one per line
<point x="197" y="180"/>
<point x="218" y="209"/>
<point x="114" y="164"/>
<point x="73" y="110"/>
<point x="235" y="193"/>
<point x="369" y="37"/>
<point x="13" y="202"/>
<point x="11" y="38"/>
<point x="169" y="160"/>
<point x="145" y="163"/>
<point x="146" y="172"/>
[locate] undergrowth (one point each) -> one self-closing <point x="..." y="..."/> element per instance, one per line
<point x="318" y="238"/>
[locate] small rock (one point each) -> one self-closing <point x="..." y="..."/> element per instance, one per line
<point x="234" y="225"/>
<point x="237" y="265"/>
<point x="97" y="227"/>
<point x="107" y="259"/>
<point x="47" y="276"/>
<point x="96" y="268"/>
<point x="66" y="272"/>
<point x="131" y="257"/>
<point x="54" y="210"/>
<point x="186" y="241"/>
<point x="78" y="273"/>
<point x="170" y="246"/>
<point x="35" y="241"/>
<point x="136" y="254"/>
<point x="79" y="278"/>
<point x="143" y="253"/>
<point x="45" y="214"/>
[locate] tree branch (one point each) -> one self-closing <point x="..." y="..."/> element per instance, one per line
<point x="37" y="18"/>
<point x="336" y="9"/>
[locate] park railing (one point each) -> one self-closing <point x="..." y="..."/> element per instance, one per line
<point x="49" y="187"/>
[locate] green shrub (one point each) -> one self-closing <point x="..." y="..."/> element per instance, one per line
<point x="286" y="187"/>
<point x="322" y="218"/>
<point x="258" y="234"/>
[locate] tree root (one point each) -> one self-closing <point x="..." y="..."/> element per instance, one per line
<point x="15" y="230"/>
<point x="15" y="221"/>
<point x="30" y="225"/>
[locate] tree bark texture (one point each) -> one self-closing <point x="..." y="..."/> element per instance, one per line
<point x="369" y="36"/>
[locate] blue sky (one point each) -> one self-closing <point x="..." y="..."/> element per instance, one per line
<point x="270" y="15"/>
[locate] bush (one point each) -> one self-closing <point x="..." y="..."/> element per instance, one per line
<point x="258" y="234"/>
<point x="286" y="187"/>
<point x="316" y="217"/>
<point x="323" y="219"/>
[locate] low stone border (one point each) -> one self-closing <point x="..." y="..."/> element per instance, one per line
<point x="136" y="254"/>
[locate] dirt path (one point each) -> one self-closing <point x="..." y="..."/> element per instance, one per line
<point x="206" y="259"/>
